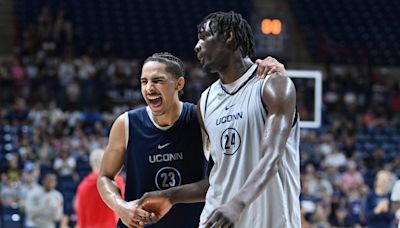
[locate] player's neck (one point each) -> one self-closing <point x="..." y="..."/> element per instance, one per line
<point x="169" y="118"/>
<point x="234" y="70"/>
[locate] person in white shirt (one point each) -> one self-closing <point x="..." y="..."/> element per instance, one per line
<point x="44" y="205"/>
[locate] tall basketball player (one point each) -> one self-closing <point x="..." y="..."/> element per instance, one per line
<point x="252" y="130"/>
<point x="160" y="146"/>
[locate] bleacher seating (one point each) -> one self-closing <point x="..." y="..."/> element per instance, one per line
<point x="82" y="167"/>
<point x="134" y="28"/>
<point x="357" y="31"/>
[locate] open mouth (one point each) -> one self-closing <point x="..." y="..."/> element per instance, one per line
<point x="156" y="102"/>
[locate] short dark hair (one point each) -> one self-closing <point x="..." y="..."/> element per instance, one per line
<point x="173" y="64"/>
<point x="222" y="23"/>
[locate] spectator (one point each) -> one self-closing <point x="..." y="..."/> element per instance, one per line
<point x="351" y="178"/>
<point x="65" y="164"/>
<point x="44" y="207"/>
<point x="29" y="184"/>
<point x="320" y="217"/>
<point x="46" y="153"/>
<point x="333" y="176"/>
<point x="13" y="168"/>
<point x="377" y="208"/>
<point x="9" y="191"/>
<point x="91" y="210"/>
<point x="19" y="111"/>
<point x="310" y="179"/>
<point x="341" y="218"/>
<point x="18" y="74"/>
<point x="336" y="159"/>
<point x="355" y="201"/>
<point x="308" y="203"/>
<point x="323" y="186"/>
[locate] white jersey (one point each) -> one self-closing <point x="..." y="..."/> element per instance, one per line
<point x="395" y="196"/>
<point x="234" y="116"/>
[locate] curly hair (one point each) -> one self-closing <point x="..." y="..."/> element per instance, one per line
<point x="222" y="23"/>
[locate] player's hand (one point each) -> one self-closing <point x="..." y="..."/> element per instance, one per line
<point x="225" y="216"/>
<point x="269" y="65"/>
<point x="132" y="215"/>
<point x="158" y="203"/>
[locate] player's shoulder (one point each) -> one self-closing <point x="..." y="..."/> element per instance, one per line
<point x="136" y="111"/>
<point x="134" y="115"/>
<point x="210" y="88"/>
<point x="188" y="115"/>
<point x="278" y="78"/>
<point x="278" y="83"/>
<point x="189" y="106"/>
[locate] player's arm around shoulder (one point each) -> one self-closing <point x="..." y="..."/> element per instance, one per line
<point x="269" y="65"/>
<point x="112" y="162"/>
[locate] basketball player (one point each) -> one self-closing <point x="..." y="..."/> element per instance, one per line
<point x="160" y="146"/>
<point x="252" y="131"/>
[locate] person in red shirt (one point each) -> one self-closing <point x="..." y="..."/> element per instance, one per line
<point x="91" y="211"/>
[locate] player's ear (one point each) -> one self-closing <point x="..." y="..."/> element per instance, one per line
<point x="180" y="83"/>
<point x="231" y="41"/>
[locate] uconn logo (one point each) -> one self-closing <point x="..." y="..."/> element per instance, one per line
<point x="229" y="118"/>
<point x="165" y="157"/>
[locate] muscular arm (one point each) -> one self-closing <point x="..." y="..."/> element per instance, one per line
<point x="112" y="162"/>
<point x="113" y="158"/>
<point x="191" y="193"/>
<point x="188" y="193"/>
<point x="160" y="202"/>
<point x="280" y="98"/>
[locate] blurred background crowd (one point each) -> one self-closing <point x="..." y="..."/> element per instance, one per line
<point x="65" y="81"/>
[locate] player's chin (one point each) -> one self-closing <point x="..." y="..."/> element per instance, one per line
<point x="157" y="110"/>
<point x="208" y="69"/>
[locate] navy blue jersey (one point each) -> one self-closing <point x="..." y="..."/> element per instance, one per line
<point x="159" y="159"/>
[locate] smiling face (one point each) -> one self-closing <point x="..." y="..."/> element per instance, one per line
<point x="211" y="49"/>
<point x="160" y="88"/>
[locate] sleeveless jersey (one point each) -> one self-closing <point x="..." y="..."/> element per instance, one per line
<point x="159" y="159"/>
<point x="234" y="121"/>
